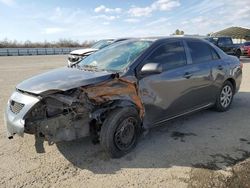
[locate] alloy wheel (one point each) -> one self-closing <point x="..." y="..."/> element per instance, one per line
<point x="226" y="96"/>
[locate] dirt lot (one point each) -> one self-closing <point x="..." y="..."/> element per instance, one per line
<point x="207" y="149"/>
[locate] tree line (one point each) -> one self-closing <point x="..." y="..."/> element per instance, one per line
<point x="62" y="43"/>
<point x="178" y="32"/>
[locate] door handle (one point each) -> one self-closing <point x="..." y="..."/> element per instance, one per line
<point x="187" y="75"/>
<point x="220" y="67"/>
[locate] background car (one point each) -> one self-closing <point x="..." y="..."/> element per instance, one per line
<point x="226" y="44"/>
<point x="245" y="49"/>
<point x="77" y="55"/>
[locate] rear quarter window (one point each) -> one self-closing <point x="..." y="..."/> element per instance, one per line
<point x="215" y="55"/>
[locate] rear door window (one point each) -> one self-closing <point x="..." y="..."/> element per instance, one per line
<point x="200" y="52"/>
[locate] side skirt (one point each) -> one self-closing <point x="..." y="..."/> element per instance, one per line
<point x="183" y="114"/>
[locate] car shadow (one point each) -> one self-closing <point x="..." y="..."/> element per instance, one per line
<point x="206" y="139"/>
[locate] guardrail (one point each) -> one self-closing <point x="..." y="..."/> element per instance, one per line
<point x="34" y="51"/>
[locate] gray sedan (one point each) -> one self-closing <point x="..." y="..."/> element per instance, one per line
<point x="116" y="92"/>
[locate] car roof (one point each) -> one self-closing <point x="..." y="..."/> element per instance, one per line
<point x="162" y="39"/>
<point x="158" y="39"/>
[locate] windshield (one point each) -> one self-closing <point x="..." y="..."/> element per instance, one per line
<point x="115" y="57"/>
<point x="101" y="44"/>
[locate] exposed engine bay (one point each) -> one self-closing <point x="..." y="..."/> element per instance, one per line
<point x="60" y="117"/>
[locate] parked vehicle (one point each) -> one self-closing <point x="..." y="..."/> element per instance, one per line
<point x="245" y="49"/>
<point x="116" y="92"/>
<point x="77" y="55"/>
<point x="227" y="45"/>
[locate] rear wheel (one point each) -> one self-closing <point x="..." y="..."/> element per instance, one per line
<point x="225" y="97"/>
<point x="238" y="53"/>
<point x="119" y="132"/>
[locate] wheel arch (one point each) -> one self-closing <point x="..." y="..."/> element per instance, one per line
<point x="232" y="81"/>
<point x="102" y="112"/>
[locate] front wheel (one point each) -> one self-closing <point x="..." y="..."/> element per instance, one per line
<point x="120" y="131"/>
<point x="225" y="97"/>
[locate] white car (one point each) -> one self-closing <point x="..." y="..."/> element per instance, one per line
<point x="77" y="55"/>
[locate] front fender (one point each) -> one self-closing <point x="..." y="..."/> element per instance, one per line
<point x="100" y="113"/>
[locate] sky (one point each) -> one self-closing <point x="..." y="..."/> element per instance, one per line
<point x="95" y="19"/>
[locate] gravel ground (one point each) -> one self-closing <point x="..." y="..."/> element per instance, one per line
<point x="206" y="149"/>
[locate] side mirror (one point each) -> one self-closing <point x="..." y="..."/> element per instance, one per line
<point x="151" y="68"/>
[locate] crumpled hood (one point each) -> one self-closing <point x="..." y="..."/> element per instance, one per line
<point x="62" y="79"/>
<point x="83" y="51"/>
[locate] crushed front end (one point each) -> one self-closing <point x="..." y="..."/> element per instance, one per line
<point x="68" y="115"/>
<point x="55" y="117"/>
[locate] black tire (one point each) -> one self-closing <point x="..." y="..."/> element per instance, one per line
<point x="238" y="53"/>
<point x="221" y="105"/>
<point x="120" y="123"/>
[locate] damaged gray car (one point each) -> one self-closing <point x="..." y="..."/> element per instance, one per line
<point x="116" y="92"/>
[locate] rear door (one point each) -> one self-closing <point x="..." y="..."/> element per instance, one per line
<point x="201" y="68"/>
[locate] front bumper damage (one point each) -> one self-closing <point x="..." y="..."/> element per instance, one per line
<point x="18" y="106"/>
<point x="48" y="117"/>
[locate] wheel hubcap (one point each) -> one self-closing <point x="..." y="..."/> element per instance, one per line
<point x="125" y="134"/>
<point x="226" y="96"/>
